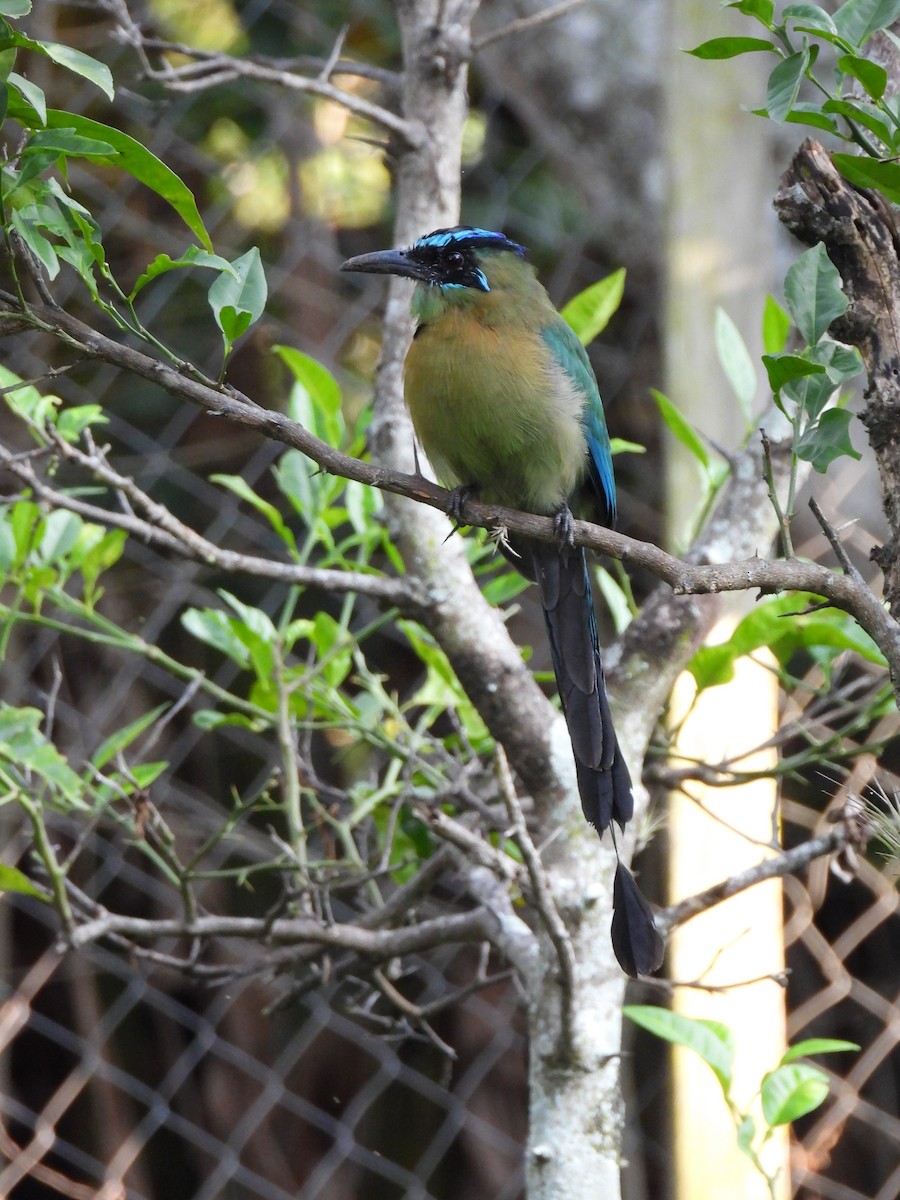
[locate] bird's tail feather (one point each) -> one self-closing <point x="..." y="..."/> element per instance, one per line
<point x="604" y="782"/>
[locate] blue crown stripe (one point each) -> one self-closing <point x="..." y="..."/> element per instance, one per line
<point x="467" y="236"/>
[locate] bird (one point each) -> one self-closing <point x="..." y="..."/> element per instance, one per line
<point x="506" y="406"/>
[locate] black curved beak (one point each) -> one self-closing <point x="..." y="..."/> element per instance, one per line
<point x="387" y="262"/>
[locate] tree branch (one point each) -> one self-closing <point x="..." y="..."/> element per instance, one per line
<point x="164" y="530"/>
<point x="685" y="578"/>
<point x="788" y="863"/>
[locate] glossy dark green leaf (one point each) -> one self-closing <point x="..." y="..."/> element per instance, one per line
<point x="870" y="173"/>
<point x="871" y="75"/>
<point x="782" y="368"/>
<point x="863" y="114"/>
<point x="730" y="47"/>
<point x="131" y="157"/>
<point x="762" y="10"/>
<point x="73" y="60"/>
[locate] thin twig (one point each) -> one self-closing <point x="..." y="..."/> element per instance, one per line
<point x="543" y="901"/>
<point x="521" y="24"/>
<point x="788" y="863"/>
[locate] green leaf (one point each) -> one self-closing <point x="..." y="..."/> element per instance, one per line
<point x="72" y="422"/>
<point x="31" y="93"/>
<point x="61" y="532"/>
<point x="782" y="368"/>
<point x="241" y="488"/>
<point x="122" y="738"/>
<point x="730" y="47"/>
<point x="745" y="1134"/>
<point x="15" y="8"/>
<point x="238" y="297"/>
<point x="827" y="440"/>
<point x="780" y="624"/>
<point x="736" y="361"/>
<point x="681" y="428"/>
<point x="623" y="446"/>
<point x="868" y="173"/>
<point x="14" y="880"/>
<point x="810" y="15"/>
<point x="315" y="401"/>
<point x="24" y="745"/>
<point x="790" y="1092"/>
<point x="615" y="598"/>
<point x="68" y="142"/>
<point x="133" y="158"/>
<point x="861" y="113"/>
<point x="334" y="649"/>
<point x="216" y="629"/>
<point x="192" y="257"/>
<point x="857" y="20"/>
<point x="816" y="1046"/>
<point x="762" y="10"/>
<point x="39" y="246"/>
<point x="813" y="294"/>
<point x="775" y="327"/>
<point x="872" y="76"/>
<point x="590" y="311"/>
<point x="813" y="392"/>
<point x="784" y="85"/>
<point x="73" y="60"/>
<point x="712" y="1040"/>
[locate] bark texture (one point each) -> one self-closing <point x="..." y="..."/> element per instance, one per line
<point x="858" y="229"/>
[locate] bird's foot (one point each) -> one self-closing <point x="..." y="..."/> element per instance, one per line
<point x="458" y="498"/>
<point x="564" y="526"/>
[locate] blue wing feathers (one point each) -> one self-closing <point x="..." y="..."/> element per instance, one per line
<point x="568" y="351"/>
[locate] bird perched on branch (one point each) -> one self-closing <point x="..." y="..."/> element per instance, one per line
<point x="506" y="406"/>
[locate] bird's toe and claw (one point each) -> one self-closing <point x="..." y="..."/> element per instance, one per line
<point x="457" y="502"/>
<point x="564" y="527"/>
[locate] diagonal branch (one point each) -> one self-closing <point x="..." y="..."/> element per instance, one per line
<point x="685" y="578"/>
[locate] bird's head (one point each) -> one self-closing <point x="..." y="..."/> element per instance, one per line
<point x="458" y="258"/>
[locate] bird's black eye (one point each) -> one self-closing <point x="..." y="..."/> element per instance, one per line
<point x="455" y="261"/>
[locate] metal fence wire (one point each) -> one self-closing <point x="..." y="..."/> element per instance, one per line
<point x="127" y="1079"/>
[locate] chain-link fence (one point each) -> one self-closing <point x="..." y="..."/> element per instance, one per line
<point x="126" y="1078"/>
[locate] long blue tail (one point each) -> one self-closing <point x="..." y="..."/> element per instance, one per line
<point x="604" y="783"/>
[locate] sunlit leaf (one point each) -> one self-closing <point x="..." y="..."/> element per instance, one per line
<point x="712" y="1040"/>
<point x="792" y="1091"/>
<point x="816" y="1046"/>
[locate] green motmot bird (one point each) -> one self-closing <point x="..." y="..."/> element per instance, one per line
<point x="506" y="406"/>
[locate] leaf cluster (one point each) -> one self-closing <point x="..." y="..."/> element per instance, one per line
<point x="851" y="100"/>
<point x="787" y="1092"/>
